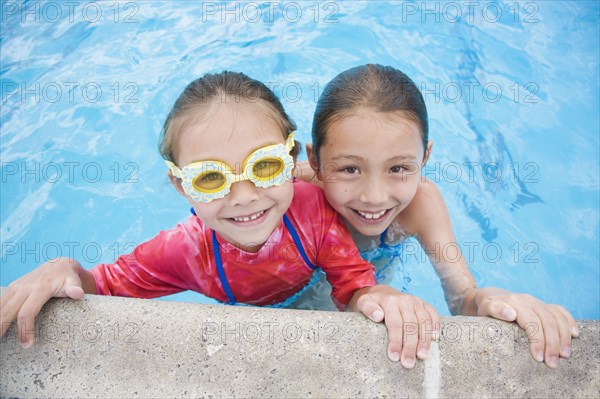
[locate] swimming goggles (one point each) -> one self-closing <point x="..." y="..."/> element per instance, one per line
<point x="268" y="166"/>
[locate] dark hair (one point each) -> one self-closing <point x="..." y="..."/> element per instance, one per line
<point x="227" y="87"/>
<point x="382" y="88"/>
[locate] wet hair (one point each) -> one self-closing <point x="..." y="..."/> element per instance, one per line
<point x="380" y="88"/>
<point x="225" y="87"/>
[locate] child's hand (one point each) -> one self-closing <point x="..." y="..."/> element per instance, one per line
<point x="549" y="327"/>
<point x="24" y="298"/>
<point x="411" y="323"/>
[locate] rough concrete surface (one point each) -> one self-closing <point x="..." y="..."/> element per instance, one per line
<point x="121" y="347"/>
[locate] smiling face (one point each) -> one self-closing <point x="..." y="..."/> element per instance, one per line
<point x="370" y="165"/>
<point x="247" y="215"/>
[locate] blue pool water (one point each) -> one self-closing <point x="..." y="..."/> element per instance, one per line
<point x="512" y="90"/>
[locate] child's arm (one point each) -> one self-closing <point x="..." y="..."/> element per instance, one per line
<point x="24" y="298"/>
<point x="148" y="272"/>
<point x="550" y="327"/>
<point x="411" y="323"/>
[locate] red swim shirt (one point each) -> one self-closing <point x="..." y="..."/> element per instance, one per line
<point x="183" y="259"/>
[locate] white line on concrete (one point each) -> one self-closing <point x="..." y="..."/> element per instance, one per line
<point x="432" y="374"/>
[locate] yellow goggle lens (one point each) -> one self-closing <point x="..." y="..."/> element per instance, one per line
<point x="267" y="168"/>
<point x="209" y="181"/>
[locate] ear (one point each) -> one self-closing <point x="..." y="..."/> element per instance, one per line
<point x="427" y="152"/>
<point x="308" y="148"/>
<point x="294" y="170"/>
<point x="176" y="182"/>
<point x="312" y="160"/>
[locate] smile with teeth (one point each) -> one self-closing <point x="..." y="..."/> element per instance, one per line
<point x="249" y="218"/>
<point x="372" y="216"/>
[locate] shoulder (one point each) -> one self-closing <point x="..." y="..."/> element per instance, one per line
<point x="427" y="207"/>
<point x="428" y="193"/>
<point x="310" y="209"/>
<point x="307" y="194"/>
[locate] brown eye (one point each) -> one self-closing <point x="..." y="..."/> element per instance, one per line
<point x="352" y="170"/>
<point x="209" y="181"/>
<point x="266" y="168"/>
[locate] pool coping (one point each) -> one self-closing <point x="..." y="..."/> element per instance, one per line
<point x="123" y="347"/>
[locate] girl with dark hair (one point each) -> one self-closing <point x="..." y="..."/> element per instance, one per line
<point x="370" y="141"/>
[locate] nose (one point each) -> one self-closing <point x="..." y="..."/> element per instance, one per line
<point x="243" y="193"/>
<point x="374" y="192"/>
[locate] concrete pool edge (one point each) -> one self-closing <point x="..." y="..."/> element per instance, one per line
<point x="123" y="347"/>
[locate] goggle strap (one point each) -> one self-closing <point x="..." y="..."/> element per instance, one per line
<point x="175" y="171"/>
<point x="289" y="143"/>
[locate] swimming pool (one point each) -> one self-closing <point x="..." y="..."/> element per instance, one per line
<point x="512" y="90"/>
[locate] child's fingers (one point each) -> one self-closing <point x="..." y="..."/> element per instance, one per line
<point x="426" y="330"/>
<point x="411" y="331"/>
<point x="551" y="332"/>
<point x="542" y="336"/>
<point x="26" y="317"/>
<point x="10" y="305"/>
<point x="534" y="314"/>
<point x="26" y="321"/>
<point x="573" y="329"/>
<point x="543" y="329"/>
<point x="74" y="292"/>
<point x="72" y="288"/>
<point x="564" y="331"/>
<point x="527" y="319"/>
<point x="548" y="327"/>
<point x="394" y="324"/>
<point x="497" y="309"/>
<point x="370" y="308"/>
<point x="435" y="320"/>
